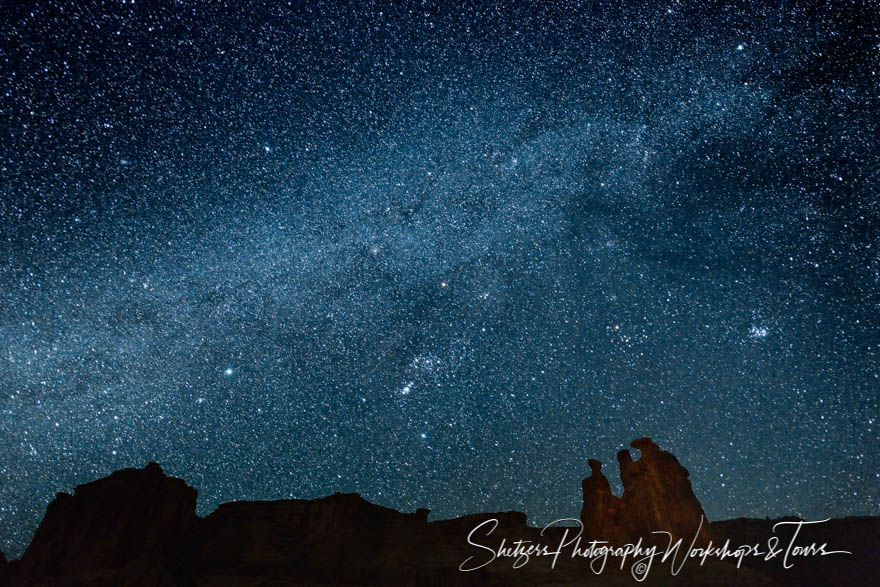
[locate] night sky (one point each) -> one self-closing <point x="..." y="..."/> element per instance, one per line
<point x="440" y="256"/>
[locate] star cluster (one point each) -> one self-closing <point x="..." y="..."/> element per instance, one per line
<point x="440" y="255"/>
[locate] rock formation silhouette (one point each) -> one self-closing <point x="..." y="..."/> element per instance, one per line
<point x="602" y="513"/>
<point x="657" y="497"/>
<point x="139" y="527"/>
<point x="130" y="523"/>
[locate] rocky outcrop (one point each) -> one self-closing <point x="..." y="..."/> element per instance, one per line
<point x="601" y="514"/>
<point x="138" y="527"/>
<point x="657" y="496"/>
<point x="341" y="538"/>
<point x="131" y="523"/>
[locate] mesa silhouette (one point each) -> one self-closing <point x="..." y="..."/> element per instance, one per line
<point x="139" y="527"/>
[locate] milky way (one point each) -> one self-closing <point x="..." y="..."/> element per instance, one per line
<point x="440" y="257"/>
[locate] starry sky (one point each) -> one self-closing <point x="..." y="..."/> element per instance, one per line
<point x="440" y="255"/>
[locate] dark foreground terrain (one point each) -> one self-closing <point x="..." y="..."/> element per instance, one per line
<point x="139" y="527"/>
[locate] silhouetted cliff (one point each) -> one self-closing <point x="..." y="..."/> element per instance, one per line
<point x="133" y="523"/>
<point x="138" y="527"/>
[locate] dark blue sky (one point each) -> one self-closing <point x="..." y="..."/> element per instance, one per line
<point x="440" y="256"/>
